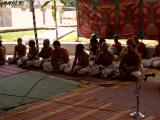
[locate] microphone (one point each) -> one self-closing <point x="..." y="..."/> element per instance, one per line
<point x="149" y="75"/>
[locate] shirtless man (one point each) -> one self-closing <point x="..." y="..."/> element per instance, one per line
<point x="19" y="52"/>
<point x="59" y="59"/>
<point x="44" y="54"/>
<point x="117" y="47"/>
<point x="130" y="62"/>
<point x="81" y="62"/>
<point x="2" y="54"/>
<point x="31" y="55"/>
<point x="103" y="63"/>
<point x="141" y="47"/>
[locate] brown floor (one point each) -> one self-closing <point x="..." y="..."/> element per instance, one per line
<point x="91" y="101"/>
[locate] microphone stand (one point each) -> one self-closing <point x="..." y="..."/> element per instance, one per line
<point x="137" y="115"/>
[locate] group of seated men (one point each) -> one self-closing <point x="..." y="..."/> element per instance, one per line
<point x="102" y="60"/>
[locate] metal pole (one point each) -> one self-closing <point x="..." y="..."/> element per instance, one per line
<point x="34" y="22"/>
<point x="77" y="1"/>
<point x="117" y="16"/>
<point x="55" y="19"/>
<point x="140" y="33"/>
<point x="95" y="17"/>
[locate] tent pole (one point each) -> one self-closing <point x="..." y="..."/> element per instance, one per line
<point x="140" y="33"/>
<point x="95" y="17"/>
<point x="117" y="17"/>
<point x="77" y="1"/>
<point x="34" y="21"/>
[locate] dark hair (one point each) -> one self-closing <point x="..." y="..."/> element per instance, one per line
<point x="19" y="39"/>
<point x="79" y="46"/>
<point x="102" y="40"/>
<point x="47" y="40"/>
<point x="32" y="42"/>
<point x="56" y="43"/>
<point x="93" y="40"/>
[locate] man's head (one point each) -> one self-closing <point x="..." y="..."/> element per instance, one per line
<point x="79" y="48"/>
<point x="19" y="41"/>
<point x="116" y="37"/>
<point x="56" y="44"/>
<point x="131" y="44"/>
<point x="105" y="46"/>
<point x="93" y="36"/>
<point x="136" y="39"/>
<point x="46" y="43"/>
<point x="31" y="43"/>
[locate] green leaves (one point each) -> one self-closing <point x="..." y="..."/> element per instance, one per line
<point x="54" y="10"/>
<point x="11" y="3"/>
<point x="45" y="4"/>
<point x="63" y="1"/>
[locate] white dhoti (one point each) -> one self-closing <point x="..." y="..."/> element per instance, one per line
<point x="156" y="62"/>
<point x="83" y="71"/>
<point x="94" y="70"/>
<point x="22" y="60"/>
<point x="105" y="72"/>
<point x="67" y="70"/>
<point x="147" y="62"/>
<point x="109" y="70"/>
<point x="29" y="63"/>
<point x="47" y="66"/>
<point x="38" y="63"/>
<point x="63" y="66"/>
<point x="10" y="59"/>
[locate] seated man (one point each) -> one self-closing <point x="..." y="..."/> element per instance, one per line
<point x="141" y="47"/>
<point x="31" y="55"/>
<point x="4" y="48"/>
<point x="59" y="59"/>
<point x="130" y="62"/>
<point x="116" y="47"/>
<point x="104" y="63"/>
<point x="45" y="54"/>
<point x="93" y="48"/>
<point x="155" y="60"/>
<point x="19" y="52"/>
<point x="2" y="54"/>
<point x="81" y="62"/>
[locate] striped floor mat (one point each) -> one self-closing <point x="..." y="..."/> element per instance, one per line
<point x="7" y="70"/>
<point x="73" y="105"/>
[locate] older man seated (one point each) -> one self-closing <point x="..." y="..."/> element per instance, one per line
<point x="104" y="63"/>
<point x="130" y="65"/>
<point x="81" y="62"/>
<point x="44" y="54"/>
<point x="59" y="59"/>
<point x="116" y="47"/>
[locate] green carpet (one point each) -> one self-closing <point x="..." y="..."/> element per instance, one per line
<point x="31" y="86"/>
